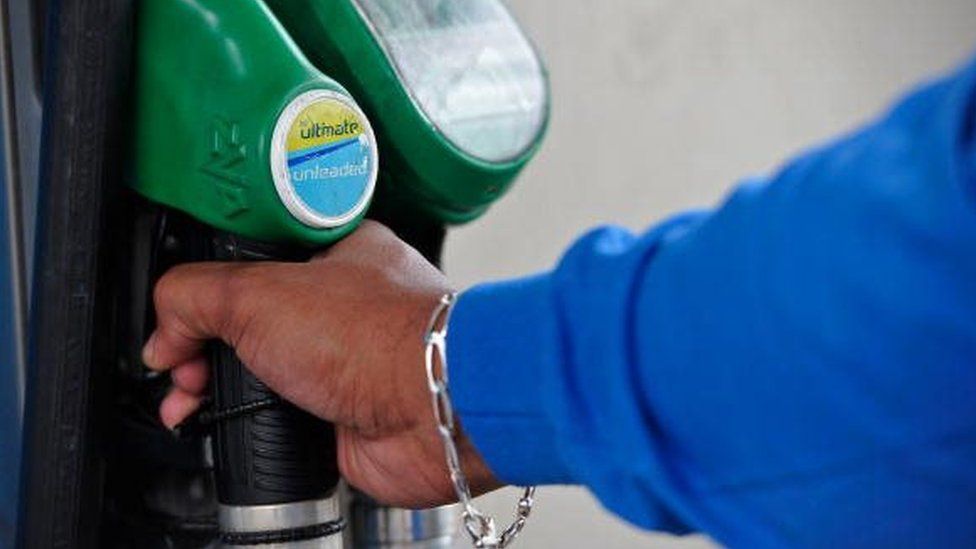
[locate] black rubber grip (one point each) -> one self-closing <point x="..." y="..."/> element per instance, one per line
<point x="274" y="454"/>
<point x="266" y="450"/>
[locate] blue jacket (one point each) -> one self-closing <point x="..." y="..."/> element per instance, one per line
<point x="796" y="367"/>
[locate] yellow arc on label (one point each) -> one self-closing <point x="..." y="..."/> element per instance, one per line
<point x="323" y="123"/>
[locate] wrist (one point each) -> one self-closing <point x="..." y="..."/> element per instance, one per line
<point x="480" y="527"/>
<point x="410" y="387"/>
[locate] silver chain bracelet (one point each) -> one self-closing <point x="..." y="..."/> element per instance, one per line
<point x="481" y="528"/>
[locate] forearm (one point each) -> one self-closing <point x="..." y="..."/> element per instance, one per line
<point x="779" y="371"/>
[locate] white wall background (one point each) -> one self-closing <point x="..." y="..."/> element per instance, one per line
<point x="661" y="105"/>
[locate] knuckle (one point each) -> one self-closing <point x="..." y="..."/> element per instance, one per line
<point x="373" y="231"/>
<point x="231" y="293"/>
<point x="236" y="283"/>
<point x="167" y="290"/>
<point x="398" y="255"/>
<point x="240" y="290"/>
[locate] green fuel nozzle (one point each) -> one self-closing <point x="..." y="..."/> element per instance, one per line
<point x="228" y="102"/>
<point x="236" y="128"/>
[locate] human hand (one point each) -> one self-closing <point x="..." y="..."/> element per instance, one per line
<point x="339" y="336"/>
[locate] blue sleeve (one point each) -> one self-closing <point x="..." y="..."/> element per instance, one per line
<point x="796" y="367"/>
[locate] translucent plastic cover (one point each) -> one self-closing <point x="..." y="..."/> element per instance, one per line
<point x="469" y="68"/>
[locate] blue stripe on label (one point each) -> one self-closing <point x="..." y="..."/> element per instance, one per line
<point x="320" y="152"/>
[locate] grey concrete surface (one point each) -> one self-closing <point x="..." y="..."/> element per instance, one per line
<point x="662" y="105"/>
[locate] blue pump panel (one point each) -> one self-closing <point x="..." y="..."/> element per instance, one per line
<point x="10" y="411"/>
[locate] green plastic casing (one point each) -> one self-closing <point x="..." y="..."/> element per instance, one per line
<point x="213" y="78"/>
<point x="420" y="170"/>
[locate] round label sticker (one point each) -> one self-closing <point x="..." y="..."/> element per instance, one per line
<point x="324" y="159"/>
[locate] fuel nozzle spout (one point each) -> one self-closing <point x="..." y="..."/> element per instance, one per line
<point x="316" y="524"/>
